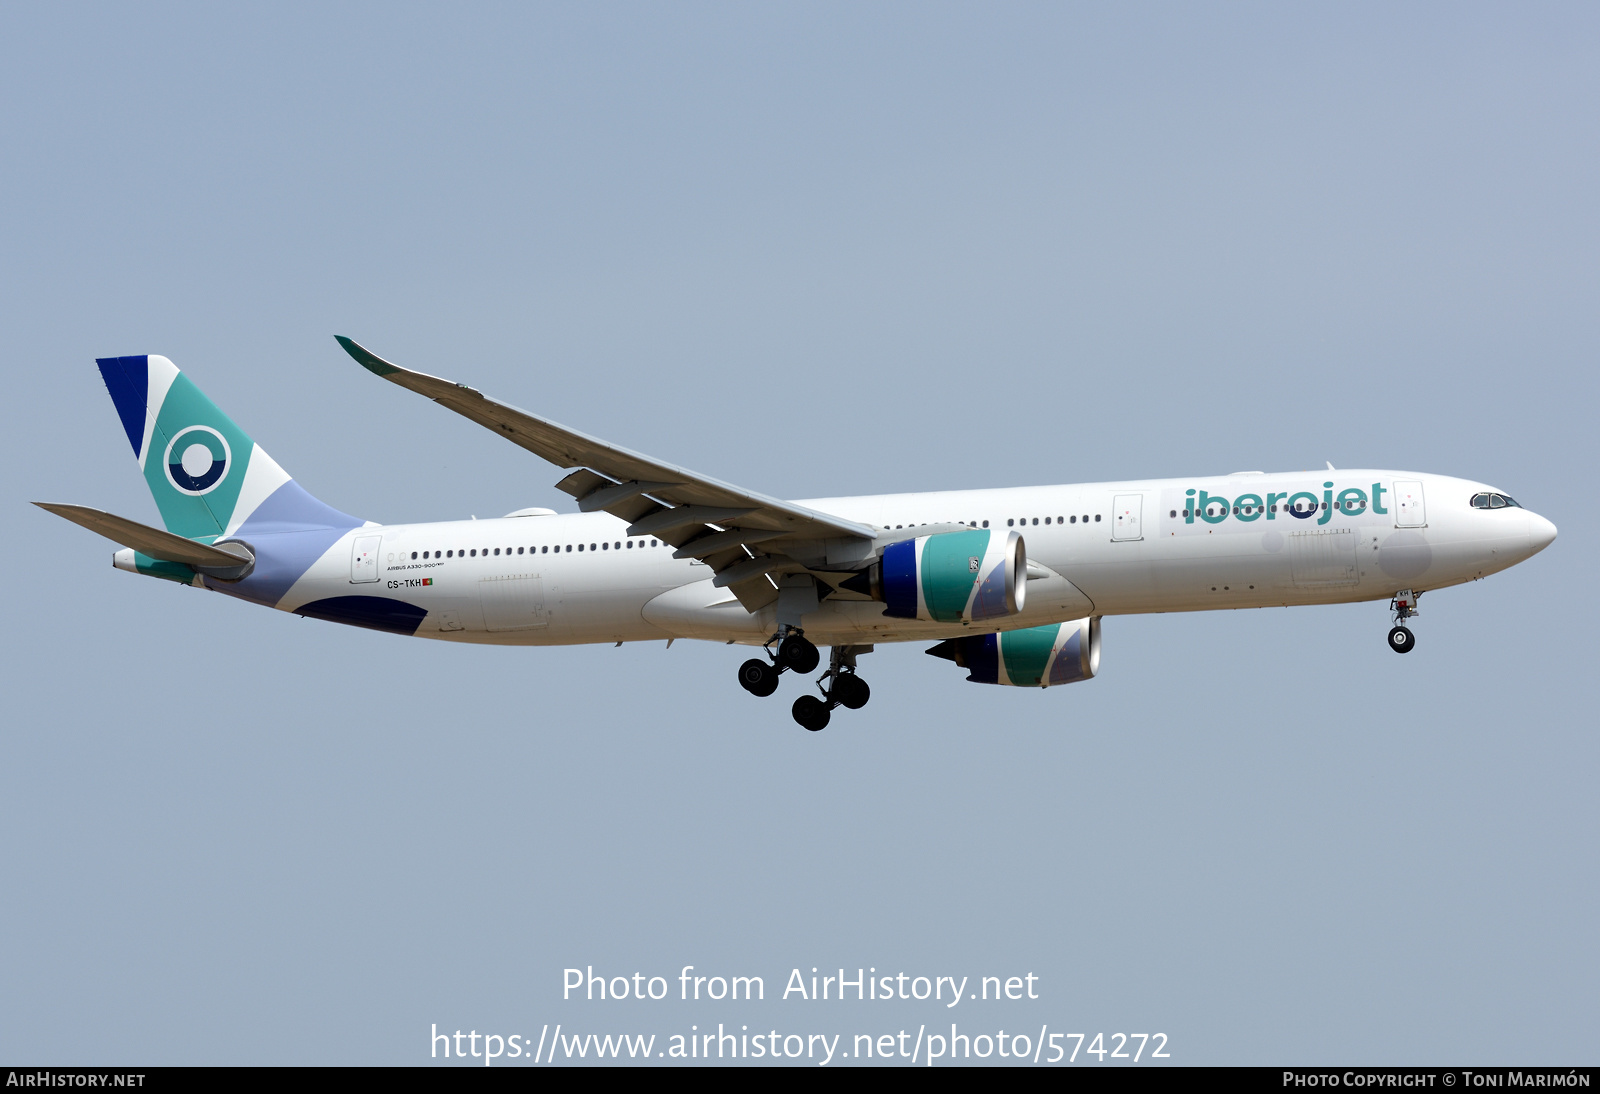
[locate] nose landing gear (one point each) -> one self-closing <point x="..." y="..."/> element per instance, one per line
<point x="1404" y="606"/>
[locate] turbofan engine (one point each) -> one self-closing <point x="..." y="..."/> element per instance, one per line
<point x="1037" y="657"/>
<point x="950" y="577"/>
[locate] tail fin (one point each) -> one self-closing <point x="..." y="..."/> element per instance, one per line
<point x="206" y="474"/>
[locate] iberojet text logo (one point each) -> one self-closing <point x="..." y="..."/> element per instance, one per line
<point x="197" y="459"/>
<point x="1301" y="505"/>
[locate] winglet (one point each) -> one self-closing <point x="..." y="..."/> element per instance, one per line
<point x="366" y="358"/>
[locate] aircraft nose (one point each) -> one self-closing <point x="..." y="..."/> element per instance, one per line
<point x="1541" y="533"/>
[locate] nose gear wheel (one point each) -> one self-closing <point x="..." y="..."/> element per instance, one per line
<point x="1404" y="607"/>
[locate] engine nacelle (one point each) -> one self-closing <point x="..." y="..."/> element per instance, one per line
<point x="951" y="577"/>
<point x="1037" y="657"/>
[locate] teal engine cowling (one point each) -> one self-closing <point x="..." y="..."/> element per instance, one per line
<point x="1036" y="657"/>
<point x="950" y="577"/>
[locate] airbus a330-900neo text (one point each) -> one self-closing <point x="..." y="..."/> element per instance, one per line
<point x="1010" y="584"/>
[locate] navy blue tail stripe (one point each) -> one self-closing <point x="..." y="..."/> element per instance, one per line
<point x="127" y="379"/>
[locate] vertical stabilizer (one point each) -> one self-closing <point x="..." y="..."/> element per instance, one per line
<point x="211" y="481"/>
<point x="207" y="476"/>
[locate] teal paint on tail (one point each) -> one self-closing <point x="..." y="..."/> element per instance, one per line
<point x="211" y="481"/>
<point x="207" y="476"/>
<point x="194" y="457"/>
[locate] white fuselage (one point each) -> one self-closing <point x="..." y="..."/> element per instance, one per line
<point x="1099" y="549"/>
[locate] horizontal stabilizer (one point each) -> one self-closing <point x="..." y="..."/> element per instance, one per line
<point x="230" y="561"/>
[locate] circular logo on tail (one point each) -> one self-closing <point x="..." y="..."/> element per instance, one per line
<point x="197" y="460"/>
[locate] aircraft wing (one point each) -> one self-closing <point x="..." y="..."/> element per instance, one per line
<point x="742" y="535"/>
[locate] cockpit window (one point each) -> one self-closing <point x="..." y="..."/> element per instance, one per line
<point x="1487" y="500"/>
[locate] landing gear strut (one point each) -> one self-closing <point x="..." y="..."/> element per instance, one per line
<point x="840" y="687"/>
<point x="1404" y="606"/>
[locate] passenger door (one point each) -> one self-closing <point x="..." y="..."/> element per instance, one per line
<point x="1127" y="514"/>
<point x="1409" y="511"/>
<point x="364" y="559"/>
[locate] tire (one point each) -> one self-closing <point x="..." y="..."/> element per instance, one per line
<point x="798" y="654"/>
<point x="851" y="691"/>
<point x="1401" y="640"/>
<point x="758" y="678"/>
<point x="811" y="712"/>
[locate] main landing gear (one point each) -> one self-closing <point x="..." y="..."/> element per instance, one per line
<point x="1404" y="606"/>
<point x="840" y="686"/>
<point x="795" y="653"/>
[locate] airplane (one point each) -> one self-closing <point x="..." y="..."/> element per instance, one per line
<point x="1010" y="584"/>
